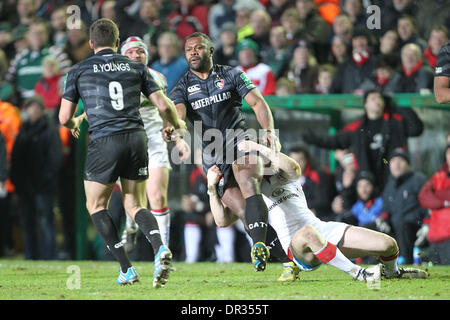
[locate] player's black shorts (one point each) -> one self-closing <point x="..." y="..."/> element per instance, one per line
<point x="225" y="164"/>
<point x="121" y="155"/>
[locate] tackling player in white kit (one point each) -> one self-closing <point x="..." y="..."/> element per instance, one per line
<point x="307" y="240"/>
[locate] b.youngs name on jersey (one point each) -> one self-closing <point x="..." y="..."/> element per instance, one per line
<point x="111" y="67"/>
<point x="210" y="100"/>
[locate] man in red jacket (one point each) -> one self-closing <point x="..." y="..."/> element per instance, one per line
<point x="435" y="195"/>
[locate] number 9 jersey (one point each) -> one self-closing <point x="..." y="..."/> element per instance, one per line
<point x="110" y="86"/>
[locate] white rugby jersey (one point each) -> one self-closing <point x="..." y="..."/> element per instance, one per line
<point x="288" y="209"/>
<point x="149" y="112"/>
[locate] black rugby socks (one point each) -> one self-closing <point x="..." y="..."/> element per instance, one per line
<point x="256" y="215"/>
<point x="149" y="226"/>
<point x="102" y="220"/>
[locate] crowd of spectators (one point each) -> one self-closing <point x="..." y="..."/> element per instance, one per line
<point x="286" y="47"/>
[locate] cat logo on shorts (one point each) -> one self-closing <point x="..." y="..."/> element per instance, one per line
<point x="277" y="192"/>
<point x="143" y="171"/>
<point x="222" y="182"/>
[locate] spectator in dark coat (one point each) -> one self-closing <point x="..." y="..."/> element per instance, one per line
<point x="401" y="203"/>
<point x="407" y="31"/>
<point x="393" y="9"/>
<point x="372" y="137"/>
<point x="414" y="76"/>
<point x="358" y="66"/>
<point x="35" y="162"/>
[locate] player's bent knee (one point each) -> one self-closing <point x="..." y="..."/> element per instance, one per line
<point x="390" y="246"/>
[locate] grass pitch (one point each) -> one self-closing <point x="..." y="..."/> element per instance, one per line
<point x="92" y="280"/>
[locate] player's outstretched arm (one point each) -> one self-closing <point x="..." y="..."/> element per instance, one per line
<point x="264" y="116"/>
<point x="280" y="162"/>
<point x="442" y="89"/>
<point x="223" y="216"/>
<point x="167" y="109"/>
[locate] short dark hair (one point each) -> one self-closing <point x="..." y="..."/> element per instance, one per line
<point x="300" y="149"/>
<point x="201" y="35"/>
<point x="104" y="33"/>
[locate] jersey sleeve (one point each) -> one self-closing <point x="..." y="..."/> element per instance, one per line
<point x="443" y="62"/>
<point x="178" y="93"/>
<point x="243" y="83"/>
<point x="149" y="84"/>
<point x="70" y="86"/>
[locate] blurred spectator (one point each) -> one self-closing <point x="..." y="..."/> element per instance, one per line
<point x="414" y="76"/>
<point x="188" y="18"/>
<point x="138" y="23"/>
<point x="26" y="69"/>
<point x="58" y="30"/>
<point x="108" y="10"/>
<point x="369" y="207"/>
<point x="438" y="38"/>
<point x="355" y="11"/>
<point x="6" y="89"/>
<point x="435" y="196"/>
<point x="401" y="203"/>
<point x="343" y="27"/>
<point x="285" y="87"/>
<point x="77" y="47"/>
<point x="325" y="78"/>
<point x="383" y="77"/>
<point x="339" y="51"/>
<point x="243" y="9"/>
<point x="25" y="13"/>
<point x="372" y="137"/>
<point x="260" y="23"/>
<point x="225" y="53"/>
<point x="290" y="20"/>
<point x="280" y="51"/>
<point x="407" y="31"/>
<point x="389" y="42"/>
<point x="48" y="87"/>
<point x="38" y="149"/>
<point x="276" y="8"/>
<point x="431" y="13"/>
<point x="357" y="67"/>
<point x="316" y="182"/>
<point x="219" y="14"/>
<point x="315" y="27"/>
<point x="172" y="64"/>
<point x="259" y="73"/>
<point x="303" y="68"/>
<point x="393" y="9"/>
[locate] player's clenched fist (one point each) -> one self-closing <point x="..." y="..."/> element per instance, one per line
<point x="213" y="176"/>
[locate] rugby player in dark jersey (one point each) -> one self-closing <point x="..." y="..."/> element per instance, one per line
<point x="442" y="75"/>
<point x="212" y="94"/>
<point x="110" y="87"/>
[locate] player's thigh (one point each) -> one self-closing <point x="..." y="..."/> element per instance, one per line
<point x="359" y="242"/>
<point x="134" y="195"/>
<point x="157" y="185"/>
<point x="233" y="199"/>
<point x="248" y="172"/>
<point x="97" y="195"/>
